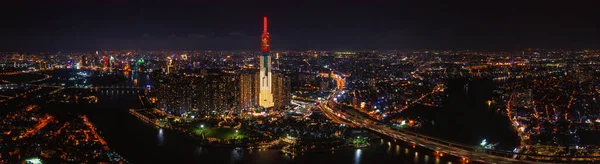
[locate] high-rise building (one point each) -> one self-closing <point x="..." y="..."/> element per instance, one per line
<point x="169" y="62"/>
<point x="249" y="89"/>
<point x="214" y="92"/>
<point x="105" y="59"/>
<point x="84" y="60"/>
<point x="281" y="91"/>
<point x="266" y="94"/>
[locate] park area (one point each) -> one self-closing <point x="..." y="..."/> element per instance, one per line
<point x="220" y="133"/>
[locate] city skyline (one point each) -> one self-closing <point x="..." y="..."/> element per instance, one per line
<point x="160" y="81"/>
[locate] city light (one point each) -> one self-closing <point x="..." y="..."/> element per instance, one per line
<point x="33" y="161"/>
<point x="343" y="90"/>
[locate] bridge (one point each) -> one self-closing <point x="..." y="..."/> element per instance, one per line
<point x="466" y="152"/>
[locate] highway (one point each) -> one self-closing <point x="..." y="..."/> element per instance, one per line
<point x="333" y="116"/>
<point x="438" y="145"/>
<point x="421" y="140"/>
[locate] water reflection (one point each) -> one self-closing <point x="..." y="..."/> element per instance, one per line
<point x="357" y="156"/>
<point x="288" y="157"/>
<point x="426" y="159"/>
<point x="397" y="149"/>
<point x="236" y="154"/>
<point x="161" y="137"/>
<point x="389" y="147"/>
<point x="437" y="160"/>
<point x="199" y="151"/>
<point x="416" y="159"/>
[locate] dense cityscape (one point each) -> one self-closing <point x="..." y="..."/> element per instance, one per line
<point x="274" y="104"/>
<point x="323" y="100"/>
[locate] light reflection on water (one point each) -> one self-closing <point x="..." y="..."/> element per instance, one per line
<point x="161" y="137"/>
<point x="416" y="159"/>
<point x="357" y="156"/>
<point x="389" y="147"/>
<point x="235" y="155"/>
<point x="199" y="151"/>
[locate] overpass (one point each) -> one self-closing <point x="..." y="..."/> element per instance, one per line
<point x="474" y="153"/>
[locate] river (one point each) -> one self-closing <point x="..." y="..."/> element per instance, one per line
<point x="142" y="143"/>
<point x="465" y="117"/>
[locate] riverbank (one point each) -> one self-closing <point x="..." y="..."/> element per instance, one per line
<point x="209" y="137"/>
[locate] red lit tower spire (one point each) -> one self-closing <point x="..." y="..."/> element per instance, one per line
<point x="265" y="38"/>
<point x="264" y="24"/>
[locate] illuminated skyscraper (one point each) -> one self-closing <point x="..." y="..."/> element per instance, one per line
<point x="281" y="91"/>
<point x="265" y="95"/>
<point x="169" y="64"/>
<point x="249" y="89"/>
<point x="105" y="59"/>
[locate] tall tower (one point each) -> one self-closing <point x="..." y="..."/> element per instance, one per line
<point x="265" y="95"/>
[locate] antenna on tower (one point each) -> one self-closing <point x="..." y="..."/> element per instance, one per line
<point x="265" y="24"/>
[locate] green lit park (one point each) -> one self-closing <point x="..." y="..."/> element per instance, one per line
<point x="360" y="142"/>
<point x="219" y="133"/>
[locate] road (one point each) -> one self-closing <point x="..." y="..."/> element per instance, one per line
<point x="466" y="152"/>
<point x="333" y="116"/>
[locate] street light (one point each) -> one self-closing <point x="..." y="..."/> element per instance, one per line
<point x="236" y="134"/>
<point x="202" y="126"/>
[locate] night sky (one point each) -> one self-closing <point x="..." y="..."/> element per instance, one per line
<point x="55" y="25"/>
